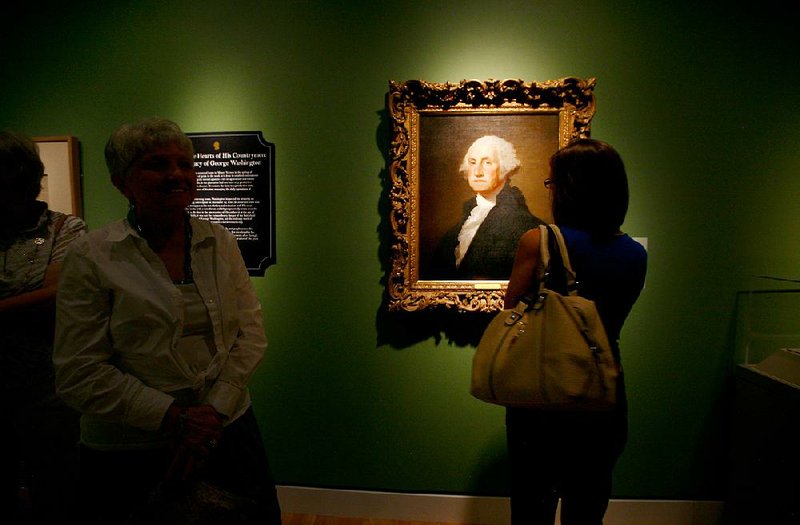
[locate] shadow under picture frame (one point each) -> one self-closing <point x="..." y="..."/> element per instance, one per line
<point x="437" y="130"/>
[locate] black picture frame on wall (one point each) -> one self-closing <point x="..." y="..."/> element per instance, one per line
<point x="433" y="126"/>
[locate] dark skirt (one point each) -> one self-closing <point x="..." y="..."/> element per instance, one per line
<point x="235" y="483"/>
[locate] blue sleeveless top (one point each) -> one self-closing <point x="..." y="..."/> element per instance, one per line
<point x="610" y="271"/>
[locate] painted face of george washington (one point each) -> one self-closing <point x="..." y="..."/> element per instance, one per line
<point x="483" y="169"/>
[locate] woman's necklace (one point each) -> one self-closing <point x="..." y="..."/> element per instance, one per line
<point x="188" y="275"/>
<point x="22" y="249"/>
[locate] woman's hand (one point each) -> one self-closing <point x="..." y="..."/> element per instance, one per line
<point x="198" y="430"/>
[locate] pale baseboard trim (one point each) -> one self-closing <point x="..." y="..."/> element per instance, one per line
<point x="477" y="509"/>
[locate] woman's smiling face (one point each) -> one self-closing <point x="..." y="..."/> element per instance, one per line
<point x="162" y="179"/>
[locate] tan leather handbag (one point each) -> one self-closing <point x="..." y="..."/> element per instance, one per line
<point x="549" y="352"/>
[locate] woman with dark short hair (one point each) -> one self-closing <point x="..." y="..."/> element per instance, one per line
<point x="571" y="455"/>
<point x="38" y="432"/>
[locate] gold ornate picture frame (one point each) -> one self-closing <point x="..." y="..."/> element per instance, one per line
<point x="434" y="125"/>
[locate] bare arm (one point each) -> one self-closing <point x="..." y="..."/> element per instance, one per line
<point x="523" y="275"/>
<point x="36" y="300"/>
<point x="44" y="299"/>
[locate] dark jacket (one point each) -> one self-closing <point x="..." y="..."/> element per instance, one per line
<point x="491" y="253"/>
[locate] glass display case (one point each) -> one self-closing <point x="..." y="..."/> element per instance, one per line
<point x="768" y="319"/>
<point x="764" y="486"/>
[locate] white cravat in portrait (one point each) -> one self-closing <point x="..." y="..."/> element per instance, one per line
<point x="476" y="216"/>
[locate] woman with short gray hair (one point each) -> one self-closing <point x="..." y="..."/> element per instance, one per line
<point x="159" y="331"/>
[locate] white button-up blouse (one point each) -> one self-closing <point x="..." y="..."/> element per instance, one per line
<point x="119" y="319"/>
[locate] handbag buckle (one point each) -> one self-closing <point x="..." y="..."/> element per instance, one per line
<point x="513" y="317"/>
<point x="539" y="301"/>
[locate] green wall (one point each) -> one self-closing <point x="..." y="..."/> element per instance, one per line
<point x="696" y="97"/>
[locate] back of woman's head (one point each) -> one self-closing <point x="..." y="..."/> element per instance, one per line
<point x="590" y="187"/>
<point x="19" y="160"/>
<point x="133" y="140"/>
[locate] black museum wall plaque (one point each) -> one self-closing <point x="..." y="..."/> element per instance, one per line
<point x="236" y="188"/>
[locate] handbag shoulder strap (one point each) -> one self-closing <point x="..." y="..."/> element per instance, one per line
<point x="555" y="270"/>
<point x="58" y="222"/>
<point x="562" y="248"/>
<point x="543" y="267"/>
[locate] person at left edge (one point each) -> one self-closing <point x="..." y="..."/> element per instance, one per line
<point x="38" y="432"/>
<point x="158" y="331"/>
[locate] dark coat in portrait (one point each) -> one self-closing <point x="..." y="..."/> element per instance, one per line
<point x="491" y="254"/>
